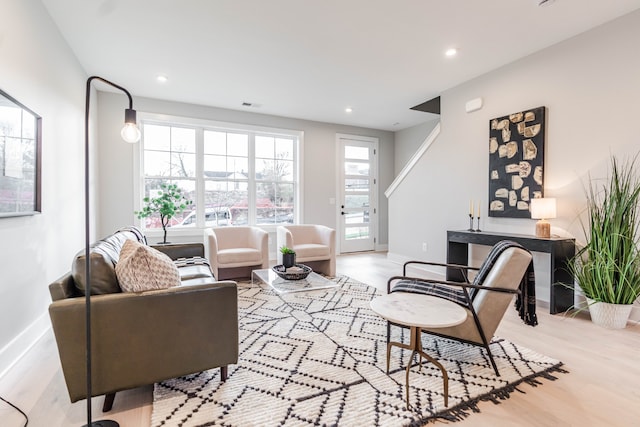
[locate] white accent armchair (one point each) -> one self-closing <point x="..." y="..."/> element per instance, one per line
<point x="314" y="246"/>
<point x="234" y="252"/>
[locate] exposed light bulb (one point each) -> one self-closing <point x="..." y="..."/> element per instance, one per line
<point x="162" y="78"/>
<point x="130" y="133"/>
<point x="348" y="109"/>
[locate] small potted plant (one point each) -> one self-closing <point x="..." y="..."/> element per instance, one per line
<point x="288" y="257"/>
<point x="169" y="202"/>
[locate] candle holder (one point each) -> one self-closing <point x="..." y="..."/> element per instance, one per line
<point x="477" y="229"/>
<point x="470" y="223"/>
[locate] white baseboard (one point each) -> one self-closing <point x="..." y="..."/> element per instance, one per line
<point x="21" y="344"/>
<point x="401" y="259"/>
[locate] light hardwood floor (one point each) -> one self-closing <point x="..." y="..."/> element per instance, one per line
<point x="602" y="387"/>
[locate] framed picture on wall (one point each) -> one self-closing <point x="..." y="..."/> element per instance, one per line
<point x="20" y="148"/>
<point x="516" y="162"/>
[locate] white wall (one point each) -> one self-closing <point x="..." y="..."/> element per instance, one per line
<point x="40" y="71"/>
<point x="408" y="141"/>
<point x="591" y="89"/>
<point x="319" y="162"/>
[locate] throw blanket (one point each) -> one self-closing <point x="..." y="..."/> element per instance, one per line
<point x="526" y="298"/>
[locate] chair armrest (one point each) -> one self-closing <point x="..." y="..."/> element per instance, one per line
<point x="449" y="283"/>
<point x="283" y="238"/>
<point x="181" y="250"/>
<point x="142" y="338"/>
<point x="463" y="268"/>
<point x="257" y="237"/>
<point x="326" y="235"/>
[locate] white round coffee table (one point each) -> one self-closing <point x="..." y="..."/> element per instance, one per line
<point x="418" y="311"/>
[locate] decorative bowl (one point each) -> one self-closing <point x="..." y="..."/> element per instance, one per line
<point x="282" y="272"/>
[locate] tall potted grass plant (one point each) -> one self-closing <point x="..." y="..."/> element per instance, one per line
<point x="607" y="268"/>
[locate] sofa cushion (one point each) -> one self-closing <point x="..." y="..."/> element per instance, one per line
<point x="239" y="256"/>
<point x="104" y="256"/>
<point x="193" y="268"/>
<point x="311" y="250"/>
<point x="142" y="268"/>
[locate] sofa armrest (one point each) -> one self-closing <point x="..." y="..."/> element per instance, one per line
<point x="142" y="338"/>
<point x="181" y="250"/>
<point x="63" y="288"/>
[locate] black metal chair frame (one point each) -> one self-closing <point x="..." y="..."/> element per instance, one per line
<point x="465" y="286"/>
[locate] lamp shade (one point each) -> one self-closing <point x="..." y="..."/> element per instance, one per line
<point x="543" y="208"/>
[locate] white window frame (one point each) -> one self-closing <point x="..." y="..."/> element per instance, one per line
<point x="200" y="124"/>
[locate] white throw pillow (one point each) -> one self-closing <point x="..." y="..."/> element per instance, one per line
<point x="142" y="268"/>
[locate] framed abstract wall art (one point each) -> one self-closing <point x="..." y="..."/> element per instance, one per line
<point x="516" y="162"/>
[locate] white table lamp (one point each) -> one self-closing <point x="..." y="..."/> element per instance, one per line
<point x="543" y="209"/>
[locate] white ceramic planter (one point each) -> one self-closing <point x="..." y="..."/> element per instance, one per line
<point x="612" y="316"/>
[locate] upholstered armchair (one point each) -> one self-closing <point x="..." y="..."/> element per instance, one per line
<point x="315" y="246"/>
<point x="507" y="271"/>
<point x="234" y="251"/>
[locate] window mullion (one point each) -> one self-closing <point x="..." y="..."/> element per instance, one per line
<point x="200" y="186"/>
<point x="252" y="178"/>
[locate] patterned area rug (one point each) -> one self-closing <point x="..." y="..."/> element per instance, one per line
<point x="318" y="358"/>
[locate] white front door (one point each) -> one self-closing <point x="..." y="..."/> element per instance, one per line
<point x="358" y="182"/>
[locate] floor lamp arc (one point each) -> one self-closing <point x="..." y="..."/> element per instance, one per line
<point x="130" y="133"/>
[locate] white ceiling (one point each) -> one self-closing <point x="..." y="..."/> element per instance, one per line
<point x="310" y="59"/>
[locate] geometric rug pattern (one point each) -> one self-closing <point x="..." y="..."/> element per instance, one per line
<point x="318" y="358"/>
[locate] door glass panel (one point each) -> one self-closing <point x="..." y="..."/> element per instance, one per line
<point x="353" y="233"/>
<point x="351" y="185"/>
<point x="356" y="201"/>
<point x="356" y="168"/>
<point x="360" y="153"/>
<point x="357" y="218"/>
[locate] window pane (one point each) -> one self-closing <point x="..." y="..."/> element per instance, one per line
<point x="152" y="189"/>
<point x="157" y="163"/>
<point x="265" y="147"/>
<point x="237" y="144"/>
<point x="215" y="166"/>
<point x="274" y="203"/>
<point x="183" y="165"/>
<point x="157" y="137"/>
<point x="238" y="166"/>
<point x="360" y="153"/>
<point x="284" y="148"/>
<point x="183" y="140"/>
<point x="215" y="142"/>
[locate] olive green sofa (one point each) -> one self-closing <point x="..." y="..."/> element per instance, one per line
<point x="140" y="338"/>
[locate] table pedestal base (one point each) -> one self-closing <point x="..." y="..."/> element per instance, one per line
<point x="415" y="345"/>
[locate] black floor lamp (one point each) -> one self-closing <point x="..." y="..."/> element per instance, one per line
<point x="130" y="133"/>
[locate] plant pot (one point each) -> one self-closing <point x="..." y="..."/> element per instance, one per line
<point x="611" y="316"/>
<point x="288" y="260"/>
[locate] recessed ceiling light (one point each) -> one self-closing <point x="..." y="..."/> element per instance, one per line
<point x="162" y="78"/>
<point x="348" y="109"/>
<point x="451" y="52"/>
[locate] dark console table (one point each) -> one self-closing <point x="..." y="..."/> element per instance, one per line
<point x="561" y="250"/>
